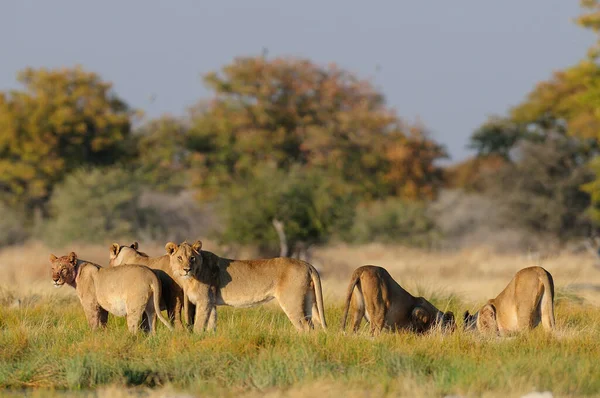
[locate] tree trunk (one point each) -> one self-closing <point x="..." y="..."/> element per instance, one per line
<point x="283" y="245"/>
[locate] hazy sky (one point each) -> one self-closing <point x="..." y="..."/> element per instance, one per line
<point x="448" y="63"/>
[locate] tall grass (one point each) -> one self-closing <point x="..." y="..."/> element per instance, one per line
<point x="48" y="345"/>
<point x="47" y="348"/>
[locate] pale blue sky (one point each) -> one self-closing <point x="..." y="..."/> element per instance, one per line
<point x="448" y="63"/>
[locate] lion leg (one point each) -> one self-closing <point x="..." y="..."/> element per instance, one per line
<point x="145" y="324"/>
<point x="178" y="304"/>
<point x="310" y="308"/>
<point x="357" y="309"/>
<point x="376" y="313"/>
<point x="295" y="311"/>
<point x="150" y="314"/>
<point x="203" y="312"/>
<point x="134" y="318"/>
<point x="212" y="319"/>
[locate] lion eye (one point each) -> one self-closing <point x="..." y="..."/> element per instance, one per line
<point x="179" y="258"/>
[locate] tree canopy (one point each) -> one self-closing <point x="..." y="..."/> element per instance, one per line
<point x="61" y="119"/>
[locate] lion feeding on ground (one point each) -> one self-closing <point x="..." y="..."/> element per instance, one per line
<point x="523" y="304"/>
<point x="209" y="280"/>
<point x="172" y="292"/>
<point x="129" y="290"/>
<point x="375" y="295"/>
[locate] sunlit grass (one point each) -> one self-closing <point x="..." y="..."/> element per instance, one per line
<point x="48" y="345"/>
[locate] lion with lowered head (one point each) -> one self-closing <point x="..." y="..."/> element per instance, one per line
<point x="209" y="280"/>
<point x="129" y="290"/>
<point x="376" y="296"/>
<point x="172" y="292"/>
<point x="523" y="304"/>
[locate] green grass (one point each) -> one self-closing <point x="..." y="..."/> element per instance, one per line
<point x="47" y="345"/>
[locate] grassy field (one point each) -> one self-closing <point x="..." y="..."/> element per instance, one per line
<point x="46" y="347"/>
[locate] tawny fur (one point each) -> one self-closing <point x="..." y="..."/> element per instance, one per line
<point x="375" y="295"/>
<point x="209" y="280"/>
<point x="172" y="292"/>
<point x="522" y="305"/>
<point x="129" y="290"/>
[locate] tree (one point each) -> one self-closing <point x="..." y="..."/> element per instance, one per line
<point x="163" y="158"/>
<point x="286" y="112"/>
<point x="541" y="190"/>
<point x="307" y="207"/>
<point x="61" y="120"/>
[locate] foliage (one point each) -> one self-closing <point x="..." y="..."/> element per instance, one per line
<point x="288" y="111"/>
<point x="61" y="120"/>
<point x="566" y="105"/>
<point x="13" y="227"/>
<point x="394" y="221"/>
<point x="95" y="205"/>
<point x="311" y="206"/>
<point x="497" y="137"/>
<point x="163" y="157"/>
<point x="541" y="191"/>
<point x="470" y="174"/>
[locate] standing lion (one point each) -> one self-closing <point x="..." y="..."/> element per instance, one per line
<point x="172" y="292"/>
<point x="129" y="290"/>
<point x="376" y="296"/>
<point x="209" y="280"/>
<point x="523" y="304"/>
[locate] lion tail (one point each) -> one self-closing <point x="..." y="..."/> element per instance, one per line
<point x="354" y="280"/>
<point x="316" y="279"/>
<point x="156" y="294"/>
<point x="547" y="303"/>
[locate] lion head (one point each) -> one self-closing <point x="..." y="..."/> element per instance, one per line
<point x="185" y="259"/>
<point x="122" y="254"/>
<point x="64" y="269"/>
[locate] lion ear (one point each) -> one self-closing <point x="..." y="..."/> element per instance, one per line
<point x="488" y="310"/>
<point x="170" y="248"/>
<point x="72" y="258"/>
<point x="466" y="315"/>
<point x="420" y="318"/>
<point x="197" y="246"/>
<point x="486" y="321"/>
<point x="449" y="316"/>
<point x="52" y="257"/>
<point x="114" y="249"/>
<point x="134" y="246"/>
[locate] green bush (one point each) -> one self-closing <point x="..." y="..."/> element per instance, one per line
<point x="12" y="226"/>
<point x="95" y="205"/>
<point x="312" y="206"/>
<point x="394" y="221"/>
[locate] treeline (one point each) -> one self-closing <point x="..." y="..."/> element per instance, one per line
<point x="287" y="153"/>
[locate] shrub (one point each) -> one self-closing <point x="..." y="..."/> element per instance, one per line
<point x="394" y="221"/>
<point x="311" y="206"/>
<point x="12" y="226"/>
<point x="94" y="205"/>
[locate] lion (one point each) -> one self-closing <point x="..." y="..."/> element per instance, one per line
<point x="375" y="295"/>
<point x="522" y="305"/>
<point x="210" y="280"/>
<point x="172" y="292"/>
<point x="129" y="290"/>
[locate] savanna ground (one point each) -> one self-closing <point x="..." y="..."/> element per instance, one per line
<point x="46" y="348"/>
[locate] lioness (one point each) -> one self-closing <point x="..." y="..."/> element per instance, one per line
<point x="209" y="280"/>
<point x="172" y="292"/>
<point x="385" y="304"/>
<point x="527" y="300"/>
<point x="129" y="290"/>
